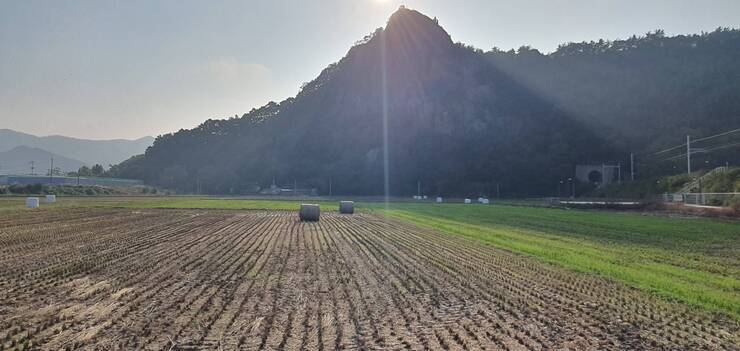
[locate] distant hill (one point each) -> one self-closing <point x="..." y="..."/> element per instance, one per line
<point x="18" y="161"/>
<point x="459" y="120"/>
<point x="90" y="152"/>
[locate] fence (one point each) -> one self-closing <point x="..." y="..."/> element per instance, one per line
<point x="708" y="199"/>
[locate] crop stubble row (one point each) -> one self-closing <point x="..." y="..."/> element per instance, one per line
<point x="154" y="279"/>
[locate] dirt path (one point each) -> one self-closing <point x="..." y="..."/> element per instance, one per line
<point x="192" y="279"/>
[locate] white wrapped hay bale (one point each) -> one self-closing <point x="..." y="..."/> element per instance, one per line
<point x="485" y="201"/>
<point x="32" y="202"/>
<point x="309" y="212"/>
<point x="439" y="200"/>
<point x="467" y="201"/>
<point x="424" y="197"/>
<point x="50" y="199"/>
<point x="347" y="207"/>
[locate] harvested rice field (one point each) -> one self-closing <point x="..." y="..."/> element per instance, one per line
<point x="167" y="279"/>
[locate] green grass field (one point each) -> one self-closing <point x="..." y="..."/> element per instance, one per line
<point x="688" y="259"/>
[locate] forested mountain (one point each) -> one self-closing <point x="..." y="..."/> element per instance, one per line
<point x="642" y="93"/>
<point x="459" y="120"/>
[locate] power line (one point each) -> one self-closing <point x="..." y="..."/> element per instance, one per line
<point x="682" y="145"/>
<point x="722" y="147"/>
<point x="716" y="135"/>
<point x="673" y="157"/>
<point x="714" y="143"/>
<point x="700" y="151"/>
<point x="669" y="149"/>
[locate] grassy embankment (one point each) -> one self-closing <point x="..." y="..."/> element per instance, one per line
<point x="696" y="261"/>
<point x="718" y="182"/>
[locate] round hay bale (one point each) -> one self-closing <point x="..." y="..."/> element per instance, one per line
<point x="347" y="207"/>
<point x="467" y="201"/>
<point x="32" y="202"/>
<point x="50" y="199"/>
<point x="309" y="212"/>
<point x="439" y="200"/>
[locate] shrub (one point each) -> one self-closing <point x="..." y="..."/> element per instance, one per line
<point x="734" y="203"/>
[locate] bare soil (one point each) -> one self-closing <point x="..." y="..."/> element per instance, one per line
<point x="195" y="279"/>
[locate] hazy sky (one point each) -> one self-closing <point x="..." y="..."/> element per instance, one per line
<point x="124" y="69"/>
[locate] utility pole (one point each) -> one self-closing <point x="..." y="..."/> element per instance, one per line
<point x="295" y="187"/>
<point x="632" y="166"/>
<point x="619" y="172"/>
<point x="498" y="193"/>
<point x="573" y="185"/>
<point x="574" y="189"/>
<point x="51" y="172"/>
<point x="418" y="187"/>
<point x="688" y="154"/>
<point x="32" y="168"/>
<point x="330" y="186"/>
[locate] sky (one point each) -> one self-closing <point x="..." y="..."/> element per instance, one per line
<point x="102" y="69"/>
